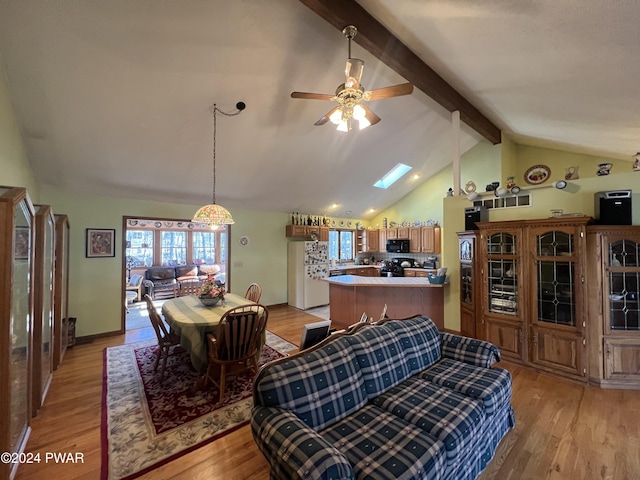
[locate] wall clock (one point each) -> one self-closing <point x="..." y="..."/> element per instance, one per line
<point x="244" y="240"/>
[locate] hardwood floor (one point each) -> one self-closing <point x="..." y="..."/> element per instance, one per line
<point x="564" y="430"/>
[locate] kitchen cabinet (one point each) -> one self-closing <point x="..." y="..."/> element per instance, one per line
<point x="43" y="305"/>
<point x="533" y="294"/>
<point x="614" y="312"/>
<point x="469" y="293"/>
<point x="392" y="233"/>
<point x="415" y="239"/>
<point x="307" y="231"/>
<point x="382" y="239"/>
<point x="61" y="290"/>
<point x="430" y="242"/>
<point x="373" y="237"/>
<point x="416" y="272"/>
<point x="363" y="271"/>
<point x="403" y="232"/>
<point x="16" y="324"/>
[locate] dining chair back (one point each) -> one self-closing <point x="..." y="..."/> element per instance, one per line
<point x="166" y="339"/>
<point x="188" y="287"/>
<point x="254" y="292"/>
<point x="235" y="347"/>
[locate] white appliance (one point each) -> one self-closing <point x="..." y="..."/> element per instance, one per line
<point x="308" y="263"/>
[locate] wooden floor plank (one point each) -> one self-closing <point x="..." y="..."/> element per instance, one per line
<point x="564" y="430"/>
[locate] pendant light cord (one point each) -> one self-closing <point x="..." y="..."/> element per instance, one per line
<point x="214" y="109"/>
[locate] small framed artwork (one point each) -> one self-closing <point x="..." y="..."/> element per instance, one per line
<point x="21" y="239"/>
<point x="101" y="242"/>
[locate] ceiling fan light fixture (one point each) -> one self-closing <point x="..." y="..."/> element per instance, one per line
<point x="343" y="126"/>
<point x="336" y="117"/>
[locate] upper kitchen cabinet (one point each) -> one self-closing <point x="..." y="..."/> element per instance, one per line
<point x="16" y="314"/>
<point x="307" y="231"/>
<point x="373" y="237"/>
<point x="614" y="313"/>
<point x="430" y="241"/>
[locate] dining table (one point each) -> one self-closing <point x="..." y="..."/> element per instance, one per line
<point x="192" y="320"/>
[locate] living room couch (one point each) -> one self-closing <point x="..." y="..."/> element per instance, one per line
<point x="163" y="282"/>
<point x="396" y="400"/>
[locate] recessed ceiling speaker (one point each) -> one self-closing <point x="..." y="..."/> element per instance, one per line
<point x="613" y="208"/>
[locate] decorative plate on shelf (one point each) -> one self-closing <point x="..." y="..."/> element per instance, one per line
<point x="537" y="174"/>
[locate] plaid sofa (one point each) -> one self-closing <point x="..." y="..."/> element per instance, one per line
<point x="396" y="400"/>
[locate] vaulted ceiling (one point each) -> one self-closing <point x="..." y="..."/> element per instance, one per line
<point x="113" y="97"/>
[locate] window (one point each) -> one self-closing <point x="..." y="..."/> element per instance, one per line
<point x="204" y="247"/>
<point x="140" y="248"/>
<point x="341" y="245"/>
<point x="174" y="248"/>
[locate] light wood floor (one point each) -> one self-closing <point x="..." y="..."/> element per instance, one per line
<point x="564" y="430"/>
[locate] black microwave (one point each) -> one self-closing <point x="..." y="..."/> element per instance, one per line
<point x="398" y="246"/>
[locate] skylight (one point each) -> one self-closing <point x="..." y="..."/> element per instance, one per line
<point x="392" y="175"/>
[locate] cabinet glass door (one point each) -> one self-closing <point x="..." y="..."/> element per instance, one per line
<point x="502" y="274"/>
<point x="19" y="329"/>
<point x="556" y="278"/>
<point x="624" y="285"/>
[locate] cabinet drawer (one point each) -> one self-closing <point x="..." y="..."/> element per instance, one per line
<point x="622" y="358"/>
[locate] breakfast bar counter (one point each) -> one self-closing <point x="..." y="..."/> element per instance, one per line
<point x="350" y="296"/>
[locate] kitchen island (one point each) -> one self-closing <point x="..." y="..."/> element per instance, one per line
<point x="350" y="296"/>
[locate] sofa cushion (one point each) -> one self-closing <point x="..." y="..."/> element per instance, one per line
<point x="161" y="273"/>
<point x="420" y="341"/>
<point x="491" y="386"/>
<point x="186" y="271"/>
<point x="380" y="357"/>
<point x="380" y="445"/>
<point x="449" y="416"/>
<point x="320" y="387"/>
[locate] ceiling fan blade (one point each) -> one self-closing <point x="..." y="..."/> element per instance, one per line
<point x="311" y="96"/>
<point x="353" y="72"/>
<point x="325" y="119"/>
<point x="372" y="117"/>
<point x="393" y="91"/>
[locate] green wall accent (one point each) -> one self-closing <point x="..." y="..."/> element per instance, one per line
<point x="14" y="165"/>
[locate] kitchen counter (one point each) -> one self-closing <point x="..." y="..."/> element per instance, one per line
<point x="391" y="282"/>
<point x="350" y="296"/>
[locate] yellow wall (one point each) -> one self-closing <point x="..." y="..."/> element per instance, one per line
<point x="15" y="170"/>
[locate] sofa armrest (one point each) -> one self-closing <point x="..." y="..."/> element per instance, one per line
<point x="295" y="450"/>
<point x="469" y="350"/>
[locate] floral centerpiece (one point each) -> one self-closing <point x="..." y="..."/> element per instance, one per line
<point x="211" y="292"/>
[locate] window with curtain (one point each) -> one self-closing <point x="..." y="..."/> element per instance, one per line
<point x="341" y="245"/>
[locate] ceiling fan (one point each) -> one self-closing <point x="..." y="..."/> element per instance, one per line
<point x="351" y="94"/>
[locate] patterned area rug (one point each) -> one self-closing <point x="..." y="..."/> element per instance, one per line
<point x="146" y="423"/>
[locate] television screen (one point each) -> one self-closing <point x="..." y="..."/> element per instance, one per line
<point x="314" y="333"/>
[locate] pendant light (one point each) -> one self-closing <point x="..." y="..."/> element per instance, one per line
<point x="214" y="215"/>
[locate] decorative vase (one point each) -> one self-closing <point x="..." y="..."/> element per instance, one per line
<point x="209" y="301"/>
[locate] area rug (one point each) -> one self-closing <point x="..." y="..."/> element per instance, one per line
<point x="147" y="423"/>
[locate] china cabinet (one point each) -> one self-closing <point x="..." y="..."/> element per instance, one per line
<point x="44" y="242"/>
<point x="533" y="291"/>
<point x="469" y="293"/>
<point x="61" y="289"/>
<point x="16" y="314"/>
<point x="614" y="313"/>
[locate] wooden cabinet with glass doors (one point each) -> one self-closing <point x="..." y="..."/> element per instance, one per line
<point x="614" y="311"/>
<point x="503" y="310"/>
<point x="558" y="318"/>
<point x="61" y="290"/>
<point x="534" y="295"/>
<point x="16" y="314"/>
<point x="43" y="305"/>
<point x="469" y="281"/>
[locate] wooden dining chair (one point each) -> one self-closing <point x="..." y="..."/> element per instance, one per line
<point x="254" y="292"/>
<point x="235" y="346"/>
<point x="188" y="287"/>
<point x="166" y="340"/>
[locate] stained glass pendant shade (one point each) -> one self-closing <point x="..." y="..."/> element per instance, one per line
<point x="212" y="214"/>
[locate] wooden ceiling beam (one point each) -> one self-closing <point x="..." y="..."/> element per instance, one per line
<point x="385" y="46"/>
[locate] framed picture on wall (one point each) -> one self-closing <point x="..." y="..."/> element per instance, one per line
<point x="101" y="242"/>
